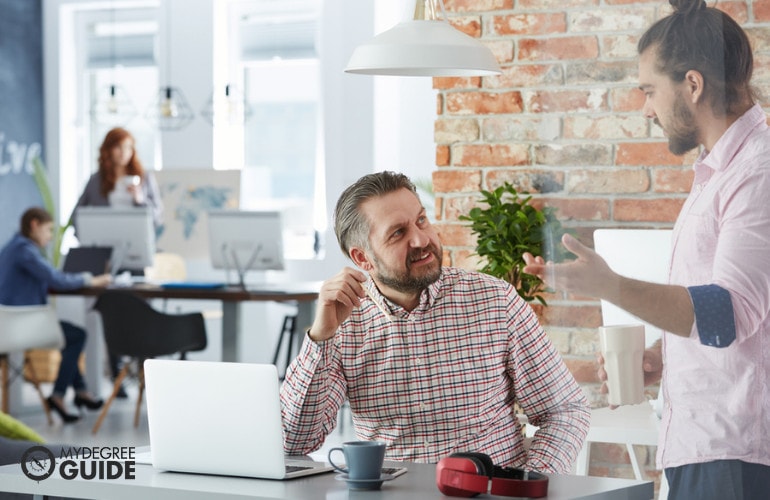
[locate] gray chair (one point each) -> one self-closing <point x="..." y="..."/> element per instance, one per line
<point x="23" y="328"/>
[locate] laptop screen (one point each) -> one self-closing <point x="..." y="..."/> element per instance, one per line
<point x="95" y="260"/>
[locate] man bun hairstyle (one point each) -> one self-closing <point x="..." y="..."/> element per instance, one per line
<point x="705" y="39"/>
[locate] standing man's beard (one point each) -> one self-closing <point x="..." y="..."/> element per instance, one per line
<point x="682" y="131"/>
<point x="404" y="281"/>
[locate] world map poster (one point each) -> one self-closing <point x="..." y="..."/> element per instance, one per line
<point x="188" y="194"/>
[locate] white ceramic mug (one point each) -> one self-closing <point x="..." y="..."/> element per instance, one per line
<point x="623" y="349"/>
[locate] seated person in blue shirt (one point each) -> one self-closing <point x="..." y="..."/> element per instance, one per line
<point x="25" y="278"/>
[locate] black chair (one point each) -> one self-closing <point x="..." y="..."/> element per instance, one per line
<point x="288" y="331"/>
<point x="134" y="329"/>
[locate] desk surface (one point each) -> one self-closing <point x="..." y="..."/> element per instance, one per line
<point x="305" y="291"/>
<point x="417" y="484"/>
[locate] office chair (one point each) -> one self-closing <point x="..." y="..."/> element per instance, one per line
<point x="134" y="329"/>
<point x="23" y="328"/>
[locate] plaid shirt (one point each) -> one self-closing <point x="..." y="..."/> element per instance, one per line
<point x="440" y="379"/>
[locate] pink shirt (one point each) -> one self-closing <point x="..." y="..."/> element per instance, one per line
<point x="718" y="398"/>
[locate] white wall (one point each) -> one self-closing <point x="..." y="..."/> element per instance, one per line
<point x="371" y="123"/>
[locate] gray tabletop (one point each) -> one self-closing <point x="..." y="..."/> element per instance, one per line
<point x="417" y="484"/>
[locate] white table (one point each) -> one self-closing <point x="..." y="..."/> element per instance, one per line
<point x="417" y="484"/>
<point x="629" y="425"/>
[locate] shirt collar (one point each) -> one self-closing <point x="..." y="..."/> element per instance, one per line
<point x="428" y="296"/>
<point x="732" y="140"/>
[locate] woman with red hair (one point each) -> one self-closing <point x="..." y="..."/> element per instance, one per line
<point x="121" y="179"/>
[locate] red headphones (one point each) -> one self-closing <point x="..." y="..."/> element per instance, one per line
<point x="468" y="474"/>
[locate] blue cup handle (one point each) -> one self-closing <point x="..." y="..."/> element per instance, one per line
<point x="336" y="467"/>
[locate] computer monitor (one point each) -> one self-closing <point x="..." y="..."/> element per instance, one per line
<point x="129" y="231"/>
<point x="246" y="240"/>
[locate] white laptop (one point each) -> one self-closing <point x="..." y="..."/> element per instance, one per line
<point x="218" y="418"/>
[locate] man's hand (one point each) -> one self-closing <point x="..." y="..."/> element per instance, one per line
<point x="587" y="275"/>
<point x="101" y="281"/>
<point x="336" y="300"/>
<point x="652" y="364"/>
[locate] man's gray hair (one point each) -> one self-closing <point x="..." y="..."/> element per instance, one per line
<point x="350" y="225"/>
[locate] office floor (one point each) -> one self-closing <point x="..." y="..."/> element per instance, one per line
<point x="118" y="426"/>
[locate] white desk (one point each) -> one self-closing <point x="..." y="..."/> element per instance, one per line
<point x="417" y="484"/>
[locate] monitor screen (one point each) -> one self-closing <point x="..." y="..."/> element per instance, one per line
<point x="129" y="231"/>
<point x="246" y="240"/>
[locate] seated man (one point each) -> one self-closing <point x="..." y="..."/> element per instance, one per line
<point x="431" y="358"/>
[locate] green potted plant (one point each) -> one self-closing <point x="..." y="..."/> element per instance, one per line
<point x="509" y="227"/>
<point x="41" y="179"/>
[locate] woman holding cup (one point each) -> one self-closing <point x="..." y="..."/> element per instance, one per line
<point x="120" y="181"/>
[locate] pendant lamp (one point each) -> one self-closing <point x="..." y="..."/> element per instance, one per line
<point x="112" y="105"/>
<point x="170" y="110"/>
<point x="427" y="45"/>
<point x="230" y="108"/>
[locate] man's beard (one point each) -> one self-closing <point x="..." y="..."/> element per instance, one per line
<point x="683" y="131"/>
<point x="404" y="281"/>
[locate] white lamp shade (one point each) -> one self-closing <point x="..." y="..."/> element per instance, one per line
<point x="423" y="48"/>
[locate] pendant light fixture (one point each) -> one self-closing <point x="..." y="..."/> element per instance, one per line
<point x="427" y="45"/>
<point x="230" y="107"/>
<point x="112" y="106"/>
<point x="170" y="110"/>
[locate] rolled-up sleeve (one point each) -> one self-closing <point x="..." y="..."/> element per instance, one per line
<point x="714" y="316"/>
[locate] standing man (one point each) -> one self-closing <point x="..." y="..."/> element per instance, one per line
<point x="431" y="358"/>
<point x="695" y="68"/>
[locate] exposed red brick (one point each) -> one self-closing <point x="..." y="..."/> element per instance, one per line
<point x="626" y="100"/>
<point x="582" y="209"/>
<point x="574" y="316"/>
<point x="562" y="48"/>
<point x="530" y="24"/>
<point x="456" y="181"/>
<point x="552" y="101"/>
<point x="672" y="180"/>
<point x="605" y="127"/>
<point x="737" y="10"/>
<point x="455" y="234"/>
<point x="761" y="10"/>
<point x="527" y="75"/>
<point x="647" y="153"/>
<point x="608" y="181"/>
<point x="442" y="156"/>
<point x="477" y="5"/>
<point x="455" y="130"/>
<point x="471" y="26"/>
<point x="555" y="4"/>
<point x="647" y="210"/>
<point x="456" y="83"/>
<point x="483" y="102"/>
<point x="526" y="180"/>
<point x="479" y="155"/>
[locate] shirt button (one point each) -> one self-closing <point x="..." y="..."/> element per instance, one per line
<point x="417" y="361"/>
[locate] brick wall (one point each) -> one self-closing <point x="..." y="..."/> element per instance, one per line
<point x="564" y="122"/>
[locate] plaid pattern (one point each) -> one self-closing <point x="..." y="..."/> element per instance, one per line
<point x="441" y="379"/>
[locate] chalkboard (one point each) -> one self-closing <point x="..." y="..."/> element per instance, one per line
<point x="21" y="109"/>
